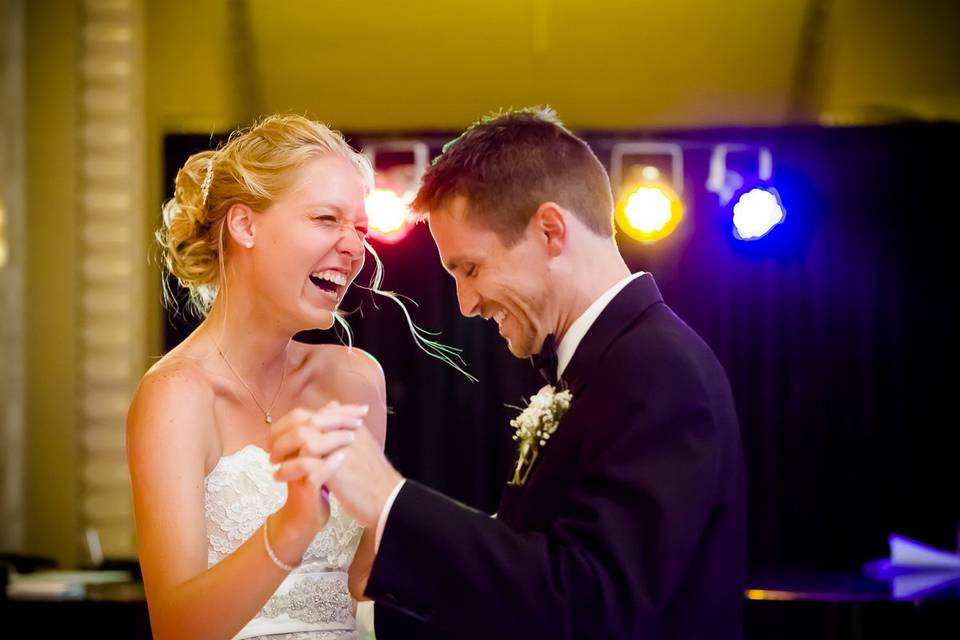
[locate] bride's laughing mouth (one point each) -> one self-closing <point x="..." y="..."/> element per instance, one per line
<point x="330" y="282"/>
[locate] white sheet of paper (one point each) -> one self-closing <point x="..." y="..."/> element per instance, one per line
<point x="905" y="552"/>
<point x="60" y="583"/>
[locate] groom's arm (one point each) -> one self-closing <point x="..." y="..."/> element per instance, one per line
<point x="612" y="560"/>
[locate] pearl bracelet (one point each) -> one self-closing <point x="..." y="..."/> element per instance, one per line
<point x="266" y="545"/>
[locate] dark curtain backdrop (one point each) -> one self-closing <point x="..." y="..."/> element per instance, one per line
<point x="836" y="331"/>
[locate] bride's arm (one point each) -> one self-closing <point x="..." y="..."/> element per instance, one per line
<point x="168" y="426"/>
<point x="360" y="567"/>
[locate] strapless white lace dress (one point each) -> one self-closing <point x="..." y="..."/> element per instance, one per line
<point x="313" y="602"/>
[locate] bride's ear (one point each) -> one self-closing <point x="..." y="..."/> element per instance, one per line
<point x="551" y="226"/>
<point x="241" y="225"/>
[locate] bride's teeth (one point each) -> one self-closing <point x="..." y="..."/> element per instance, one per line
<point x="335" y="277"/>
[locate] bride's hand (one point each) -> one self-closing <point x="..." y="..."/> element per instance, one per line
<point x="308" y="444"/>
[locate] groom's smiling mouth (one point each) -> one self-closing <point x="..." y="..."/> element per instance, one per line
<point x="499" y="317"/>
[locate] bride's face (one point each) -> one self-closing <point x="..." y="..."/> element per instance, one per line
<point x="309" y="243"/>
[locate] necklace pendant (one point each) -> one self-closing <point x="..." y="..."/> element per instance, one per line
<point x="268" y="418"/>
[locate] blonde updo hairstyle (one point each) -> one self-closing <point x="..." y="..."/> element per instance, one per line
<point x="255" y="167"/>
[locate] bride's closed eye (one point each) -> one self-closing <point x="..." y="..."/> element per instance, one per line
<point x="331" y="222"/>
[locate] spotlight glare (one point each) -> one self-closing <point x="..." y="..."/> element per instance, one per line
<point x="389" y="215"/>
<point x="648" y="209"/>
<point x="649" y="212"/>
<point x="756" y="213"/>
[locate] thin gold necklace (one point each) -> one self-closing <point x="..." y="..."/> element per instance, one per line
<point x="267" y="417"/>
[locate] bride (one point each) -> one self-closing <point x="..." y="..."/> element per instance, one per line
<point x="266" y="233"/>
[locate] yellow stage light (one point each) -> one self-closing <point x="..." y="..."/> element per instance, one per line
<point x="649" y="211"/>
<point x="647" y="178"/>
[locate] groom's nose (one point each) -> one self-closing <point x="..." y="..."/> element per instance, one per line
<point x="468" y="299"/>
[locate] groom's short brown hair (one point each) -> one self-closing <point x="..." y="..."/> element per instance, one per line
<point x="508" y="164"/>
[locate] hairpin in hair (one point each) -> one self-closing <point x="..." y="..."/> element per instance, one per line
<point x="207" y="179"/>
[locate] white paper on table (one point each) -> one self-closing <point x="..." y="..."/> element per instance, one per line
<point x="60" y="583"/>
<point x="905" y="552"/>
<point x="44" y="589"/>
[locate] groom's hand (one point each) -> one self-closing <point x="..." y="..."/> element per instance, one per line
<point x="365" y="479"/>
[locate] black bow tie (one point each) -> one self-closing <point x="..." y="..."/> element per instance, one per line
<point x="546" y="361"/>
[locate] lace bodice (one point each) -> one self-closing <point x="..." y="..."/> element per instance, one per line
<point x="313" y="601"/>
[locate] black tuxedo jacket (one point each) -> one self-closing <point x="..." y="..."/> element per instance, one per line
<point x="631" y="523"/>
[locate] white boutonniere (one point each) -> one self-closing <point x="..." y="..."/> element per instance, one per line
<point x="534" y="426"/>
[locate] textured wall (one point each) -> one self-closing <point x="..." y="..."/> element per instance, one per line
<point x="12" y="266"/>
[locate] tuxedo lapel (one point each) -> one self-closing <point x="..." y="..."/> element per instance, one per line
<point x="616" y="318"/>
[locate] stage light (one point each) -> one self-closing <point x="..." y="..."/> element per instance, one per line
<point x="649" y="206"/>
<point x="398" y="166"/>
<point x="650" y="212"/>
<point x="389" y="215"/>
<point x="756" y="212"/>
<point x="647" y="209"/>
<point x="742" y="173"/>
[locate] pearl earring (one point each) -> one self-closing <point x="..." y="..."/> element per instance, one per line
<point x="249" y="244"/>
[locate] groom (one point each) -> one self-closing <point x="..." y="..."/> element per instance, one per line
<point x="630" y="522"/>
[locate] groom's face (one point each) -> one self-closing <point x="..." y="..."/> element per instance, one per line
<point x="506" y="285"/>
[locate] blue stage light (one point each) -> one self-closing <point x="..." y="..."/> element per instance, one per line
<point x="756" y="212"/>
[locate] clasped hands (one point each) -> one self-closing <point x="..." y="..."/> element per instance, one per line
<point x="334" y="451"/>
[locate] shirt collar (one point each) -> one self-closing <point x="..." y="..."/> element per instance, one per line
<point x="571" y="340"/>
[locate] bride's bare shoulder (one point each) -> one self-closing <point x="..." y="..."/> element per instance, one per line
<point x="177" y="372"/>
<point x="351" y="376"/>
<point x="175" y="398"/>
<point x="344" y="368"/>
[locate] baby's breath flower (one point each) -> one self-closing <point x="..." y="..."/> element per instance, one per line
<point x="534" y="426"/>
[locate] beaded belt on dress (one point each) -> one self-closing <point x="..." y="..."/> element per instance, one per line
<point x="309" y="601"/>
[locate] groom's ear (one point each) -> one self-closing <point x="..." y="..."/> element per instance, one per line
<point x="551" y="227"/>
